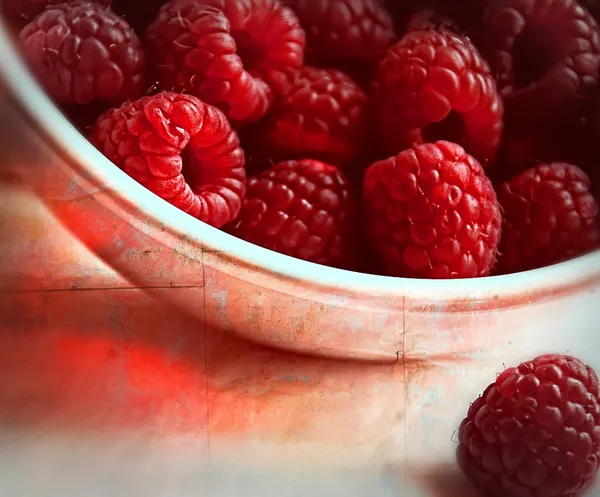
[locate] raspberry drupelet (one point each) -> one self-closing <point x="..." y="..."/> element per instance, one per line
<point x="181" y="149"/>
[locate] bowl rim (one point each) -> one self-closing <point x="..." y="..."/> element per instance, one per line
<point x="83" y="156"/>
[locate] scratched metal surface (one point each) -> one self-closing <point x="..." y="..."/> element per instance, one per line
<point x="102" y="387"/>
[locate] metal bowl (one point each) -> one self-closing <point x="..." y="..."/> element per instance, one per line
<point x="227" y="283"/>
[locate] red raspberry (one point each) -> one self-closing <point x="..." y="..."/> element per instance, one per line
<point x="432" y="213"/>
<point x="223" y="51"/>
<point x="322" y="115"/>
<point x="344" y="30"/>
<point x="549" y="215"/>
<point x="435" y="85"/>
<point x="23" y="11"/>
<point x="194" y="52"/>
<point x="535" y="431"/>
<point x="546" y="55"/>
<point x="303" y="209"/>
<point x="156" y="138"/>
<point x="82" y="52"/>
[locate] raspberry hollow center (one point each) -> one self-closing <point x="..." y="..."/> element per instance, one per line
<point x="537" y="50"/>
<point x="249" y="49"/>
<point x="192" y="170"/>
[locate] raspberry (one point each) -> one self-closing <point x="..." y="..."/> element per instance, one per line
<point x="549" y="215"/>
<point x="435" y="85"/>
<point x="432" y="213"/>
<point x="546" y="55"/>
<point x="342" y="30"/>
<point x="322" y="115"/>
<point x="23" y="11"/>
<point x="83" y="52"/>
<point x="159" y="139"/>
<point x="535" y="431"/>
<point x="194" y="51"/>
<point x="303" y="209"/>
<point x="223" y="51"/>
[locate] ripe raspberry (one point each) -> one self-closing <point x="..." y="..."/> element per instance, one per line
<point x="162" y="140"/>
<point x="303" y="209"/>
<point x="342" y="30"/>
<point x="23" y="11"/>
<point x="434" y="85"/>
<point x="322" y="115"/>
<point x="223" y="51"/>
<point x="432" y="213"/>
<point x="549" y="215"/>
<point x="83" y="52"/>
<point x="546" y="56"/>
<point x="535" y="431"/>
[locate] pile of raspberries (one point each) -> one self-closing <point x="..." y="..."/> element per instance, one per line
<point x="421" y="139"/>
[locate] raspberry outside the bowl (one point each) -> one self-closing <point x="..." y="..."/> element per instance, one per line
<point x="83" y="52"/>
<point x="181" y="149"/>
<point x="431" y="212"/>
<point x="535" y="431"/>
